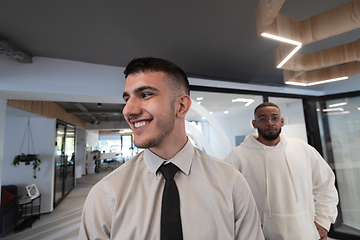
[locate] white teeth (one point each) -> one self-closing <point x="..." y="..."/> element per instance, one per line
<point x="140" y="124"/>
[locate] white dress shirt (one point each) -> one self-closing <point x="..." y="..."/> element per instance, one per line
<point x="215" y="200"/>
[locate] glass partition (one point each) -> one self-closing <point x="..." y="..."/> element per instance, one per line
<point x="293" y="113"/>
<point x="64" y="179"/>
<point x="339" y="124"/>
<point x="218" y="122"/>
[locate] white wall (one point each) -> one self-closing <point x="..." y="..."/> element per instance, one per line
<point x="43" y="136"/>
<point x="80" y="152"/>
<point x="92" y="140"/>
<point x="2" y="134"/>
<point x="45" y="79"/>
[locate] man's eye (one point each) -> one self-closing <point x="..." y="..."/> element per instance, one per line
<point x="262" y="119"/>
<point x="275" y="118"/>
<point x="144" y="95"/>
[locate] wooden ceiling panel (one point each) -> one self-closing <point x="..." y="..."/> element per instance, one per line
<point x="331" y="63"/>
<point x="266" y="12"/>
<point x="333" y="22"/>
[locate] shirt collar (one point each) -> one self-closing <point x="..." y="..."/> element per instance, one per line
<point x="182" y="159"/>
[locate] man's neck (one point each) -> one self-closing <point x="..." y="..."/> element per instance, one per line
<point x="170" y="150"/>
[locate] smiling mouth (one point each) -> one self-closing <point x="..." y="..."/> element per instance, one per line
<point x="140" y="124"/>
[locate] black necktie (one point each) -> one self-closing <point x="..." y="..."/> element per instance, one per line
<point x="170" y="208"/>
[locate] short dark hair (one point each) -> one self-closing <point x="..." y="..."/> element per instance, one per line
<point x="266" y="104"/>
<point x="177" y="75"/>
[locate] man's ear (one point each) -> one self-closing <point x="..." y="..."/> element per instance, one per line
<point x="282" y="121"/>
<point x="184" y="104"/>
<point x="254" y="123"/>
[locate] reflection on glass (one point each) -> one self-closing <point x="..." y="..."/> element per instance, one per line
<point x="219" y="120"/>
<point x="339" y="123"/>
<point x="293" y="114"/>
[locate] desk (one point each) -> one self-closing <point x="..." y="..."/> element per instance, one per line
<point x="29" y="218"/>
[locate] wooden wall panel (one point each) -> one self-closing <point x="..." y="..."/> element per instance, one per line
<point x="48" y="110"/>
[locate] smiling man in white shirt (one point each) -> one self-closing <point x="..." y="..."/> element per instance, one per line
<point x="215" y="200"/>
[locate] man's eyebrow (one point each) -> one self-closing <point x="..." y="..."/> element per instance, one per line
<point x="272" y="114"/>
<point x="141" y="89"/>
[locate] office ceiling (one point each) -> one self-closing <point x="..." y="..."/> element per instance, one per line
<point x="215" y="40"/>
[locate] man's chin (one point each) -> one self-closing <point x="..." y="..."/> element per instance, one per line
<point x="271" y="137"/>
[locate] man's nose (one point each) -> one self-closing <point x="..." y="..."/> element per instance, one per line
<point x="132" y="107"/>
<point x="270" y="121"/>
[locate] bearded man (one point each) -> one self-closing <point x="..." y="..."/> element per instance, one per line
<point x="292" y="184"/>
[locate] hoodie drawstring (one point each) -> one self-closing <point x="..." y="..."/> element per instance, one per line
<point x="267" y="183"/>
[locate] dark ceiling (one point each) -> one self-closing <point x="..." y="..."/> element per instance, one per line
<point x="215" y="40"/>
<point x="95" y="112"/>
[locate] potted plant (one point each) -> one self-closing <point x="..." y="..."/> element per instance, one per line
<point x="27" y="159"/>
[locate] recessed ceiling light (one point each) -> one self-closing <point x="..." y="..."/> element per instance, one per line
<point x="211" y="112"/>
<point x="198" y="102"/>
<point x="226" y="112"/>
<point x="199" y="98"/>
<point x="203" y="118"/>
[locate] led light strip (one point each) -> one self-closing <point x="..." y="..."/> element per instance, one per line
<point x="281" y="39"/>
<point x="298" y="44"/>
<point x="289" y="56"/>
<point x="333" y="109"/>
<point x="316" y="83"/>
<point x="338" y="104"/>
<point x="328" y="80"/>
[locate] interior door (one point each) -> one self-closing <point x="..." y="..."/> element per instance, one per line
<point x="64" y="161"/>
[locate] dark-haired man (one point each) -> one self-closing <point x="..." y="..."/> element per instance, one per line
<point x="292" y="184"/>
<point x="213" y="201"/>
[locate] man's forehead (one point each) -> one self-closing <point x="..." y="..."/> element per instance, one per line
<point x="268" y="110"/>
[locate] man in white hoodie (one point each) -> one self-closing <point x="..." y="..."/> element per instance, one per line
<point x="292" y="184"/>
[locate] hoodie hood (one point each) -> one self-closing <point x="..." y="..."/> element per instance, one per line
<point x="251" y="141"/>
